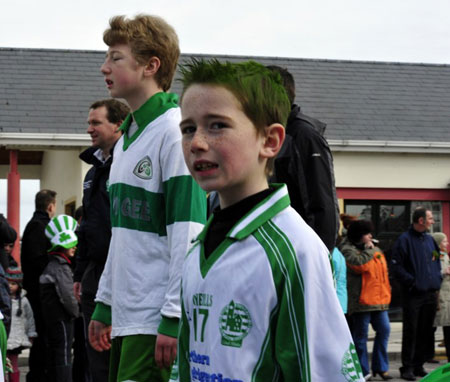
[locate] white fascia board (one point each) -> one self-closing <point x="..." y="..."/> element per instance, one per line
<point x="337" y="145"/>
<point x="44" y="140"/>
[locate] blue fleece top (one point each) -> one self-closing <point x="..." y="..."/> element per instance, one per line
<point x="415" y="259"/>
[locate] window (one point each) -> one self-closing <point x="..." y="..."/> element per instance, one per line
<point x="435" y="208"/>
<point x="391" y="218"/>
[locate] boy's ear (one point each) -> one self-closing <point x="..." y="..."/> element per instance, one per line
<point x="152" y="66"/>
<point x="273" y="140"/>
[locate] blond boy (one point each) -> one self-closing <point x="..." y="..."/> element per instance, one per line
<point x="156" y="207"/>
<point x="258" y="301"/>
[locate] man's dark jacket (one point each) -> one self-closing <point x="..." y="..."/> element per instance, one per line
<point x="34" y="256"/>
<point x="305" y="164"/>
<point x="416" y="264"/>
<point x="94" y="233"/>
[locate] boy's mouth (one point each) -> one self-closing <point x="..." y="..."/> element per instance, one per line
<point x="108" y="83"/>
<point x="204" y="166"/>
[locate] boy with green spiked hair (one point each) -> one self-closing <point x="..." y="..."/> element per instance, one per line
<point x="258" y="301"/>
<point x="59" y="306"/>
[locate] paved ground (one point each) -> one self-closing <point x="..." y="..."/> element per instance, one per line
<point x="394" y="348"/>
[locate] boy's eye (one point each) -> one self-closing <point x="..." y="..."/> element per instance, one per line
<point x="218" y="125"/>
<point x="188" y="129"/>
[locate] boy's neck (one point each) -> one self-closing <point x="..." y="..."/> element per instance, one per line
<point x="231" y="197"/>
<point x="138" y="98"/>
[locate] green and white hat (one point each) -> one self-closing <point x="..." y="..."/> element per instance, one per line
<point x="61" y="233"/>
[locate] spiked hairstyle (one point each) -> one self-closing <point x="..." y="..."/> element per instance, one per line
<point x="259" y="90"/>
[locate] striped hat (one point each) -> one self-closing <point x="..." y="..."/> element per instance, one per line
<point x="14" y="274"/>
<point x="61" y="233"/>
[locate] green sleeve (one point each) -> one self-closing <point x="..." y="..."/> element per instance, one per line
<point x="184" y="369"/>
<point x="286" y="341"/>
<point x="185" y="200"/>
<point x="102" y="313"/>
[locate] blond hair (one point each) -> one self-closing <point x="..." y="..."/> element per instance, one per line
<point x="148" y="36"/>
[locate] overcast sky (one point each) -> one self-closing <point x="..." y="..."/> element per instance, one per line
<point x="374" y="30"/>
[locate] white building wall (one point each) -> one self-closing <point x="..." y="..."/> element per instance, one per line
<point x="63" y="172"/>
<point x="25" y="171"/>
<point x="391" y="170"/>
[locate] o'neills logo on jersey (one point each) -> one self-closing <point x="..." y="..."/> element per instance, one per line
<point x="350" y="368"/>
<point x="144" y="168"/>
<point x="234" y="324"/>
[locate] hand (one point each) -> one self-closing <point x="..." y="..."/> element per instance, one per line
<point x="99" y="335"/>
<point x="77" y="291"/>
<point x="165" y="351"/>
<point x="369" y="245"/>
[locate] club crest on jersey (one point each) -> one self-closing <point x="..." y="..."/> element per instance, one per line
<point x="144" y="168"/>
<point x="350" y="367"/>
<point x="234" y="324"/>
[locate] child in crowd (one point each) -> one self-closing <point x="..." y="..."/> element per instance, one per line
<point x="156" y="206"/>
<point x="258" y="300"/>
<point x="22" y="322"/>
<point x="8" y="252"/>
<point x="59" y="306"/>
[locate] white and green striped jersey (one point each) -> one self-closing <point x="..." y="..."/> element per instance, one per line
<point x="262" y="306"/>
<point x="156" y="210"/>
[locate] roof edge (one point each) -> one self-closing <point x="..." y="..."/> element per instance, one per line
<point x="340" y="145"/>
<point x="246" y="57"/>
<point x="44" y="140"/>
<point x="54" y="140"/>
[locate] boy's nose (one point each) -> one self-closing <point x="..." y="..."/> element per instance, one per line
<point x="199" y="142"/>
<point x="104" y="68"/>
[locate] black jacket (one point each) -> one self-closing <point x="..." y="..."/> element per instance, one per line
<point x="56" y="290"/>
<point x="305" y="164"/>
<point x="5" y="300"/>
<point x="7" y="235"/>
<point x="94" y="232"/>
<point x="34" y="256"/>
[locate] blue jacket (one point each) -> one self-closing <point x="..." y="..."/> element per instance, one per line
<point x="415" y="259"/>
<point x="340" y="272"/>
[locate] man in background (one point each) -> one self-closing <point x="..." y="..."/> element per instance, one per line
<point x="104" y="120"/>
<point x="305" y="164"/>
<point x="416" y="265"/>
<point x="34" y="259"/>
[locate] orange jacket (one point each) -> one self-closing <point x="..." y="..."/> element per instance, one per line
<point x="367" y="278"/>
<point x="375" y="287"/>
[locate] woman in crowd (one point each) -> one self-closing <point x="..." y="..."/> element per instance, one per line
<point x="443" y="313"/>
<point x="369" y="295"/>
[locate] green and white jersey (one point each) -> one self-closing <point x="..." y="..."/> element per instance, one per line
<point x="262" y="306"/>
<point x="156" y="210"/>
